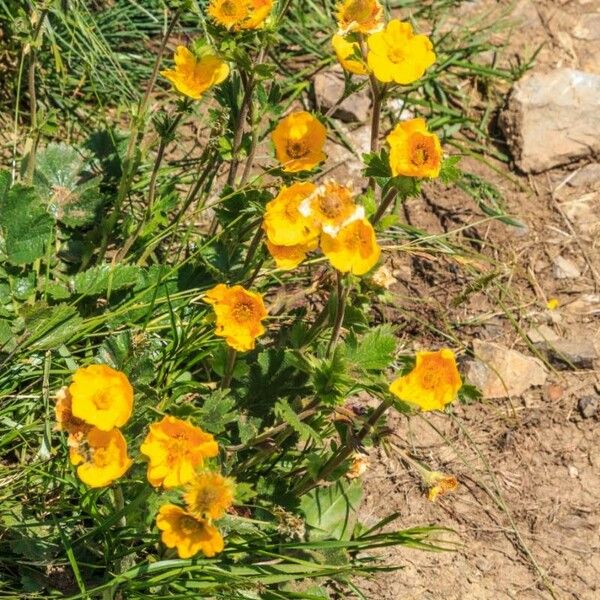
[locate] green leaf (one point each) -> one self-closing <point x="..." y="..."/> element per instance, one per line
<point x="373" y="351"/>
<point x="72" y="195"/>
<point x="50" y="326"/>
<point x="286" y="413"/>
<point x="449" y="172"/>
<point x="330" y="378"/>
<point x="217" y="411"/>
<point x="25" y="223"/>
<point x="100" y="279"/>
<point x="330" y="512"/>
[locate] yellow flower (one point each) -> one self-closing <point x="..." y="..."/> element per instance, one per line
<point x="299" y="141"/>
<point x="175" y="449"/>
<point x="354" y="249"/>
<point x="433" y="383"/>
<point x="359" y="466"/>
<point x="414" y="152"/>
<point x="101" y="457"/>
<point x="229" y="13"/>
<point x="346" y="54"/>
<point x="439" y="484"/>
<point x="289" y="257"/>
<point x="239" y="314"/>
<point x="209" y="495"/>
<point x="552" y="304"/>
<point x="65" y="421"/>
<point x="101" y="396"/>
<point x="187" y="533"/>
<point x="396" y="54"/>
<point x="193" y="76"/>
<point x="258" y="11"/>
<point x="359" y="15"/>
<point x="283" y="223"/>
<point x="331" y="206"/>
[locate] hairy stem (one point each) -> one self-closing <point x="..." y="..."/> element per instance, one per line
<point x="342" y="295"/>
<point x="229" y="368"/>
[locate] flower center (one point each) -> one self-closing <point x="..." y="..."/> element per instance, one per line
<point x="243" y="311"/>
<point x="205" y="498"/>
<point x="331" y="205"/>
<point x="430" y="379"/>
<point x="102" y="457"/>
<point x="419" y="155"/>
<point x="228" y="8"/>
<point x="359" y="11"/>
<point x="296" y="149"/>
<point x="102" y="400"/>
<point x="189" y="526"/>
<point x="396" y="55"/>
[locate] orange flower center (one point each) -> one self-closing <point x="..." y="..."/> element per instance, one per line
<point x="102" y="457"/>
<point x="206" y="497"/>
<point x="331" y="204"/>
<point x="419" y="155"/>
<point x="358" y="11"/>
<point x="190" y="526"/>
<point x="397" y="54"/>
<point x="432" y="377"/>
<point x="243" y="311"/>
<point x="296" y="149"/>
<point x="102" y="400"/>
<point x="228" y="8"/>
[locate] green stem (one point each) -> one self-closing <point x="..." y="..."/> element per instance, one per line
<point x="342" y="295"/>
<point x="383" y="206"/>
<point x="229" y="368"/>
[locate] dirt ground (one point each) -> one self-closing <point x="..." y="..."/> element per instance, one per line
<point x="527" y="510"/>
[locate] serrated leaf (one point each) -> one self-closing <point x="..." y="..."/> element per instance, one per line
<point x="26" y="225"/>
<point x="100" y="279"/>
<point x="373" y="351"/>
<point x="330" y="512"/>
<point x="286" y="413"/>
<point x="50" y="326"/>
<point x="217" y="412"/>
<point x="330" y="378"/>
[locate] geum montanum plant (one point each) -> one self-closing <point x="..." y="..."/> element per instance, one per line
<point x="219" y="427"/>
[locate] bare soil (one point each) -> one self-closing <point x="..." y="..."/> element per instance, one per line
<point x="527" y="510"/>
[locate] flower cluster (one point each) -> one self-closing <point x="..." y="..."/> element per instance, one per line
<point x="177" y="451"/>
<point x="91" y="410"/>
<point x="391" y="53"/>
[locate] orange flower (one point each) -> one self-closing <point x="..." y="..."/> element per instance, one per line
<point x="439" y="484"/>
<point x="187" y="533"/>
<point x="239" y="314"/>
<point x="346" y="53"/>
<point x="289" y="257"/>
<point x="283" y="223"/>
<point x="396" y="54"/>
<point x="258" y="11"/>
<point x="193" y="76"/>
<point x="414" y="152"/>
<point x="433" y="383"/>
<point x="101" y="457"/>
<point x="209" y="495"/>
<point x="228" y="13"/>
<point x="65" y="421"/>
<point x="175" y="449"/>
<point x="359" y="15"/>
<point x="299" y="141"/>
<point x="332" y="206"/>
<point x="101" y="396"/>
<point x="354" y="249"/>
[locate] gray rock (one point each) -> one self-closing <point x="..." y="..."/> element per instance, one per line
<point x="553" y="118"/>
<point x="588" y="406"/>
<point x="571" y="353"/>
<point x="588" y="175"/>
<point x="541" y="334"/>
<point x="329" y="88"/>
<point x="500" y="372"/>
<point x="564" y="268"/>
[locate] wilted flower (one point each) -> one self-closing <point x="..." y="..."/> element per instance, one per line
<point x="354" y="249"/>
<point x="359" y="465"/>
<point x="346" y="53"/>
<point x="383" y="277"/>
<point x="239" y="314"/>
<point x="396" y="54"/>
<point x="438" y="484"/>
<point x="433" y="383"/>
<point x="101" y="396"/>
<point x="193" y="76"/>
<point x="175" y="449"/>
<point x="299" y="141"/>
<point x="209" y="495"/>
<point x="414" y="152"/>
<point x="65" y="421"/>
<point x="187" y="533"/>
<point x="363" y="16"/>
<point x="100" y="457"/>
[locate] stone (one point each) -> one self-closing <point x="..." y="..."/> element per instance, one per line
<point x="564" y="268"/>
<point x="329" y="88"/>
<point x="577" y="352"/>
<point x="541" y="333"/>
<point x="585" y="305"/>
<point x="588" y="406"/>
<point x="552" y="119"/>
<point x="588" y="27"/>
<point x="588" y="175"/>
<point x="500" y="372"/>
<point x="583" y="213"/>
<point x="347" y="166"/>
